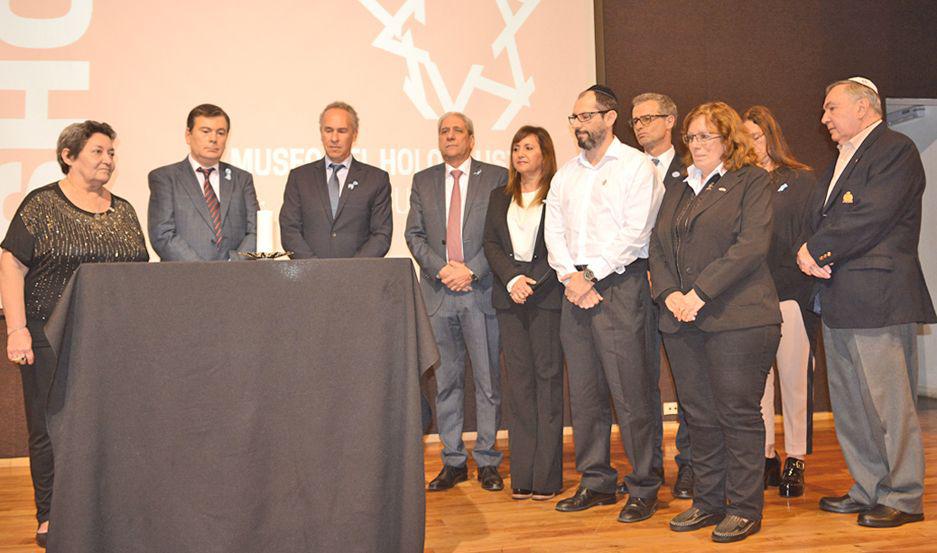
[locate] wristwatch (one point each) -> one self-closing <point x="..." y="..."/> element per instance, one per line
<point x="589" y="275"/>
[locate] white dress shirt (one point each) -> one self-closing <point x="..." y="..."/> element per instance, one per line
<point x="663" y="163"/>
<point x="214" y="179"/>
<point x="463" y="188"/>
<point x="602" y="215"/>
<point x="342" y="173"/>
<point x="696" y="180"/>
<point x="523" y="226"/>
<point x="846" y="151"/>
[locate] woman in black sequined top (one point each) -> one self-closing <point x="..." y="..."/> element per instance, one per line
<point x="55" y="229"/>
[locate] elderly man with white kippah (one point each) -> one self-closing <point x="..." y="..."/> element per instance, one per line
<point x="871" y="297"/>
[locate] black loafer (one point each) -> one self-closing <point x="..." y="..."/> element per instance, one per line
<point x="792" y="479"/>
<point x="694" y="518"/>
<point x="735" y="528"/>
<point x="683" y="487"/>
<point x="490" y="479"/>
<point x="843" y="505"/>
<point x="881" y="516"/>
<point x="585" y="499"/>
<point x="772" y="471"/>
<point x="637" y="509"/>
<point x="448" y="477"/>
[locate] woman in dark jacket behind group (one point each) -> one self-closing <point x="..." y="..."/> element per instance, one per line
<point x="527" y="298"/>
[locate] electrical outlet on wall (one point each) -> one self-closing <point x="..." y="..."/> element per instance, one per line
<point x="670" y="408"/>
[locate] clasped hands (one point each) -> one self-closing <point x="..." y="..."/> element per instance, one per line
<point x="810" y="267"/>
<point x="684" y="307"/>
<point x="579" y="291"/>
<point x="456" y="276"/>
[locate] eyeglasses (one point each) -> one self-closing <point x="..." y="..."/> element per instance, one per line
<point x="702" y="138"/>
<point x="586" y="115"/>
<point x="645" y="119"/>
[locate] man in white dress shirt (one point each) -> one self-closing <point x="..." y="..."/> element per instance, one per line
<point x="600" y="211"/>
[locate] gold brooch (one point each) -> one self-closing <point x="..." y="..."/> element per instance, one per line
<point x="847" y="197"/>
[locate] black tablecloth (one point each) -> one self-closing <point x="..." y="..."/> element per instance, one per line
<point x="239" y="407"/>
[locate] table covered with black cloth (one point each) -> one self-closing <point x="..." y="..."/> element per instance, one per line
<point x="239" y="407"/>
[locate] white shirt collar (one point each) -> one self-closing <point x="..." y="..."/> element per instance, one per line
<point x="860" y="137"/>
<point x="614" y="151"/>
<point x="694" y="176"/>
<point x="196" y="165"/>
<point x="465" y="166"/>
<point x="346" y="162"/>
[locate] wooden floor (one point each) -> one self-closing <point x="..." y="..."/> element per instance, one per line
<point x="468" y="519"/>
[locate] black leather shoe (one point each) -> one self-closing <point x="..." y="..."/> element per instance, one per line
<point x="772" y="471"/>
<point x="41" y="539"/>
<point x="735" y="528"/>
<point x="517" y="493"/>
<point x="683" y="487"/>
<point x="448" y="477"/>
<point x="693" y="519"/>
<point x="637" y="509"/>
<point x="842" y="505"/>
<point x="792" y="479"/>
<point x="490" y="479"/>
<point x="881" y="516"/>
<point x="585" y="499"/>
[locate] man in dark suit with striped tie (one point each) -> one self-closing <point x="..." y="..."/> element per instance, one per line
<point x="202" y="209"/>
<point x="337" y="206"/>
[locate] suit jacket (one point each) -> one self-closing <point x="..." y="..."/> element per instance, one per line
<point x="723" y="255"/>
<point x="363" y="222"/>
<point x="792" y="191"/>
<point x="676" y="168"/>
<point x="178" y="221"/>
<point x="426" y="229"/>
<point x="868" y="233"/>
<point x="499" y="250"/>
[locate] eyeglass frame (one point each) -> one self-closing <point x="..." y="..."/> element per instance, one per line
<point x="633" y="122"/>
<point x="690" y="138"/>
<point x="590" y="114"/>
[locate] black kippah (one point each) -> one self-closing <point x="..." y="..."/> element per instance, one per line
<point x="603" y="90"/>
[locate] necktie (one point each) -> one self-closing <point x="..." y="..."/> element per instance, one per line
<point x="454" y="224"/>
<point x="334" y="185"/>
<point x="655" y="160"/>
<point x="214" y="207"/>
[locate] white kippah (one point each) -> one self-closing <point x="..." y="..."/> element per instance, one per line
<point x="864" y="82"/>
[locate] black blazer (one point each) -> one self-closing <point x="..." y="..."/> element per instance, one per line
<point x="792" y="191"/>
<point x="868" y="232"/>
<point x="500" y="253"/>
<point x="676" y="172"/>
<point x="723" y="256"/>
<point x="363" y="222"/>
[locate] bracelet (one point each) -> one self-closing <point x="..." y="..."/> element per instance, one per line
<point x="14" y="331"/>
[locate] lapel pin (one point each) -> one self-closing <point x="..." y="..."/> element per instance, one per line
<point x="353" y="184"/>
<point x="227" y="173"/>
<point x="847" y="197"/>
<point x="675" y="174"/>
<point x="604" y="181"/>
<point x="783" y="187"/>
<point x="721" y="189"/>
<point x="476" y="173"/>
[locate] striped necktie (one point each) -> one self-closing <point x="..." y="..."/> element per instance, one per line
<point x="214" y="207"/>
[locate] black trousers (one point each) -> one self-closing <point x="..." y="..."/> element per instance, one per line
<point x="684" y="454"/>
<point x="533" y="357"/>
<point x="720" y="377"/>
<point x="37" y="379"/>
<point x="606" y="356"/>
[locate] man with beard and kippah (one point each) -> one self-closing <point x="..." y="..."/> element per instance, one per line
<point x="600" y="211"/>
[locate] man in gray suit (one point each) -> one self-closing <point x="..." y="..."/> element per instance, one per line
<point x="336" y="206"/>
<point x="202" y="209"/>
<point x="448" y="205"/>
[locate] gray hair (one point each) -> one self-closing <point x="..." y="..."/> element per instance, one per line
<point x="858" y="91"/>
<point x="343" y="106"/>
<point x="664" y="102"/>
<point x="75" y="136"/>
<point x="469" y="126"/>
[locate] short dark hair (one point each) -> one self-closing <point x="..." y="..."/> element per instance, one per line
<point x="206" y="110"/>
<point x="75" y="136"/>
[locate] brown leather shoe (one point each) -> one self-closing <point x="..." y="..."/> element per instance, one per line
<point x="882" y="516"/>
<point x="842" y="505"/>
<point x="448" y="477"/>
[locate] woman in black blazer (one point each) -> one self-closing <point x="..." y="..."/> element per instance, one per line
<point x="708" y="261"/>
<point x="527" y="298"/>
<point x="792" y="185"/>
